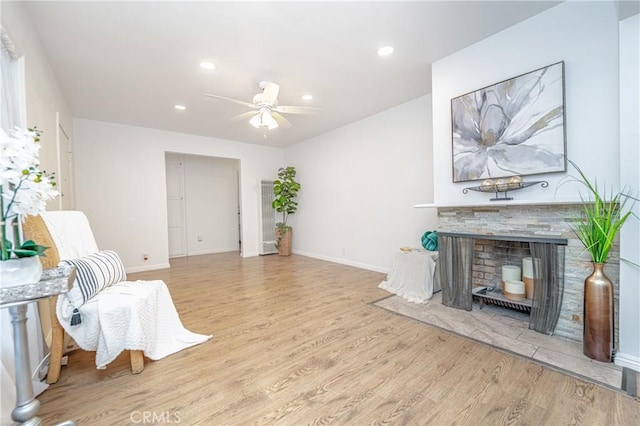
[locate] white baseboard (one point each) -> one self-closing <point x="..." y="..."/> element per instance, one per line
<point x="147" y="268"/>
<point x="347" y="262"/>
<point x="223" y="250"/>
<point x="625" y="360"/>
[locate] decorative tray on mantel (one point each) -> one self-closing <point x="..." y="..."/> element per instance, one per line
<point x="503" y="187"/>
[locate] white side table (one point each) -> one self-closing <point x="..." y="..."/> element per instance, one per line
<point x="54" y="281"/>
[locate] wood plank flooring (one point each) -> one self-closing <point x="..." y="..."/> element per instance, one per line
<point x="297" y="341"/>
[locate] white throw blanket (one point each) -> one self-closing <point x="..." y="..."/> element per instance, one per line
<point x="71" y="232"/>
<point x="128" y="315"/>
<point x="145" y="319"/>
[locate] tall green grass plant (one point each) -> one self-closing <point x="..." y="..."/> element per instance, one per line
<point x="603" y="216"/>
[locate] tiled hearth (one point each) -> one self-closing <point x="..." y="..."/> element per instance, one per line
<point x="508" y="330"/>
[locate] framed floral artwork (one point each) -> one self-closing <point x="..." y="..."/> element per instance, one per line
<point x="512" y="128"/>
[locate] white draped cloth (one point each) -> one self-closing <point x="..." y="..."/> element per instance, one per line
<point x="412" y="276"/>
<point x="128" y="315"/>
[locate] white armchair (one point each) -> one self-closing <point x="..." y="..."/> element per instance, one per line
<point x="103" y="313"/>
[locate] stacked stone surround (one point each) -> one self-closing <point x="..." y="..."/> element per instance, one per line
<point x="553" y="221"/>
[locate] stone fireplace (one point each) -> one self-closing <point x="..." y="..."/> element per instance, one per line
<point x="551" y="221"/>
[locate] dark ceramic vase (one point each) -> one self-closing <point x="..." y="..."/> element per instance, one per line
<point x="598" y="316"/>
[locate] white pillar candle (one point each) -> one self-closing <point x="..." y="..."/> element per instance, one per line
<point x="514" y="290"/>
<point x="511" y="273"/>
<point x="527" y="267"/>
<point x="527" y="274"/>
<point x="514" y="287"/>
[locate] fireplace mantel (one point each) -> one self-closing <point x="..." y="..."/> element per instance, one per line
<point x="522" y="239"/>
<point x="470" y="204"/>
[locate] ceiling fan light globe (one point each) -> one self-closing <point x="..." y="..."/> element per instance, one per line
<point x="255" y="121"/>
<point x="268" y="120"/>
<point x="264" y="119"/>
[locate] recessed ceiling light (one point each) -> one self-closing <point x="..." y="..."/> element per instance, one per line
<point x="180" y="107"/>
<point x="385" y="51"/>
<point x="207" y="65"/>
<point x="306" y="97"/>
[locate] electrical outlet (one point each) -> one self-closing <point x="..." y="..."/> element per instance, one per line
<point x="145" y="256"/>
<point x="199" y="238"/>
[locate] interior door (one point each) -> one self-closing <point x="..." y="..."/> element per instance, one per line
<point x="176" y="206"/>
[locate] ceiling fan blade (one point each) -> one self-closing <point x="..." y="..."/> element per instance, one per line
<point x="244" y="115"/>
<point x="296" y="109"/>
<point x="282" y="122"/>
<point x="247" y="104"/>
<point x="270" y="92"/>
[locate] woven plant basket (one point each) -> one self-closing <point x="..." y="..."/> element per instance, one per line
<point x="284" y="242"/>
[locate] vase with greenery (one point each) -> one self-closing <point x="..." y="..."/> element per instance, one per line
<point x="24" y="190"/>
<point x="285" y="190"/>
<point x="603" y="214"/>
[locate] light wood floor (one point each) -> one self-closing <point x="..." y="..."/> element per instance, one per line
<point x="297" y="341"/>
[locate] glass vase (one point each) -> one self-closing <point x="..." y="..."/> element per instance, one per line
<point x="20" y="271"/>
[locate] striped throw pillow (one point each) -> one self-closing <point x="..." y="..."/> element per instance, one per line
<point x="93" y="273"/>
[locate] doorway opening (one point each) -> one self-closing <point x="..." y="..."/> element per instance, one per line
<point x="203" y="204"/>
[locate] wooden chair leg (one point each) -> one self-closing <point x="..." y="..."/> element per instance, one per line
<point x="57" y="345"/>
<point x="137" y="361"/>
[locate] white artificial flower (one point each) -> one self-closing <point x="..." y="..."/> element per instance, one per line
<point x="18" y="151"/>
<point x="24" y="188"/>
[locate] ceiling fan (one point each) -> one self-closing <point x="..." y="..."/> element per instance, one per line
<point x="265" y="110"/>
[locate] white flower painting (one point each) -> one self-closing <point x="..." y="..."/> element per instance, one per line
<point x="512" y="128"/>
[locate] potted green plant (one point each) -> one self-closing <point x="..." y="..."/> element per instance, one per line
<point x="603" y="214"/>
<point x="285" y="189"/>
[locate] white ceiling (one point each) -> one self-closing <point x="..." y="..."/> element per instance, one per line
<point x="130" y="62"/>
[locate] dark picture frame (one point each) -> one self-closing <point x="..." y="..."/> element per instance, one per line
<point x="512" y="128"/>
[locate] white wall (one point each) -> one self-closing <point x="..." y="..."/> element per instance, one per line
<point x="43" y="99"/>
<point x="120" y="184"/>
<point x="629" y="352"/>
<point x="359" y="184"/>
<point x="211" y="195"/>
<point x="582" y="34"/>
<point x="43" y="94"/>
